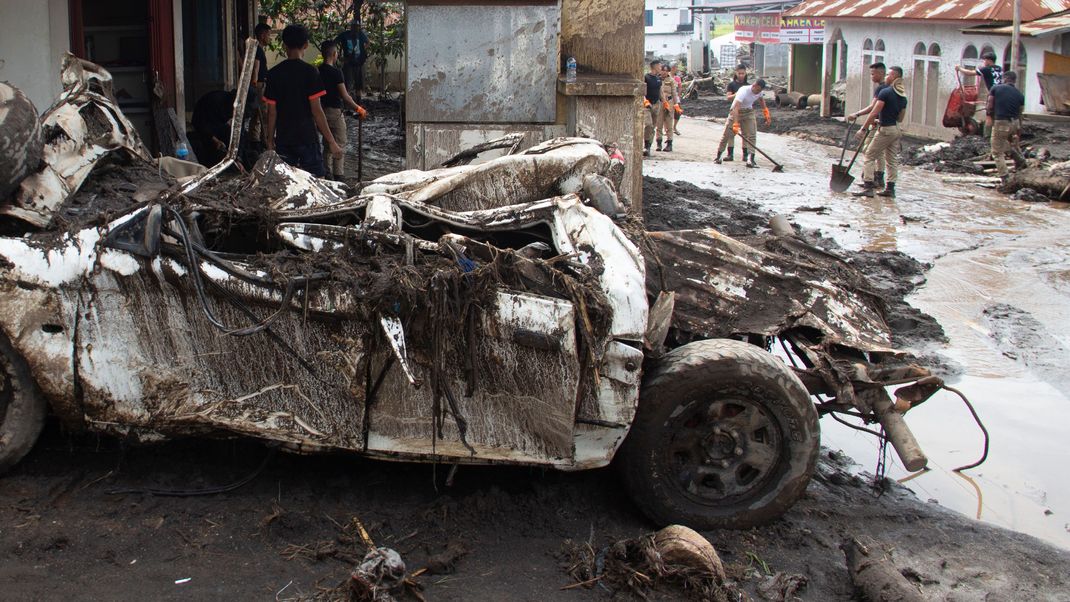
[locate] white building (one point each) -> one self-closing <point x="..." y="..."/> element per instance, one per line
<point x="927" y="38"/>
<point x="670" y="29"/>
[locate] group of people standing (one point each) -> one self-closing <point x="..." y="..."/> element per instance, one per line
<point x="662" y="106"/>
<point x="295" y="108"/>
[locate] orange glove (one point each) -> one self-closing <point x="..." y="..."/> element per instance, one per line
<point x="679" y="111"/>
<point x="665" y="105"/>
<point x="362" y="113"/>
<point x="765" y="113"/>
<point x="646" y="104"/>
<point x="735" y="128"/>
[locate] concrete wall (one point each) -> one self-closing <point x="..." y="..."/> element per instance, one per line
<point x="930" y="83"/>
<point x="33" y="38"/>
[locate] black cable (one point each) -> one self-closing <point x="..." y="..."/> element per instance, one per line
<point x="854" y="426"/>
<point x="977" y="419"/>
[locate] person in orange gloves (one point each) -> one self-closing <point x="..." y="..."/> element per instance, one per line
<point x="744" y="119"/>
<point x="666" y="116"/>
<point x="336" y="97"/>
<point x="651" y="102"/>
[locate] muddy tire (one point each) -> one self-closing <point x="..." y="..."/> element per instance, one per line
<point x="22" y="408"/>
<point x="725" y="437"/>
<point x="21" y="146"/>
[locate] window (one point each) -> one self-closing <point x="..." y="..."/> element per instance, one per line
<point x="1020" y="67"/>
<point x="685" y="16"/>
<point x="969" y="59"/>
<point x="865" y="90"/>
<point x="925" y="85"/>
<point x="649" y="15"/>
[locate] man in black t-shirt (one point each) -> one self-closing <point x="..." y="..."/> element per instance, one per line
<point x="989" y="72"/>
<point x="651" y="104"/>
<point x="336" y="96"/>
<point x="890" y="104"/>
<point x="728" y="137"/>
<point x="293" y="97"/>
<point x="353" y="44"/>
<point x="1005" y="106"/>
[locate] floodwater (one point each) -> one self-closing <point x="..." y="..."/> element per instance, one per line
<point x="999" y="286"/>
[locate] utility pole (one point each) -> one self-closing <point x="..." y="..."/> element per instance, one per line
<point x="1015" y="36"/>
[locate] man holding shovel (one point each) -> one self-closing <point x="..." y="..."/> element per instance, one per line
<point x="877" y="73"/>
<point x="1005" y="105"/>
<point x="745" y="122"/>
<point x="888" y="110"/>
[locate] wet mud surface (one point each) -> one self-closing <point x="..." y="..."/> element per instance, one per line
<point x="76" y="522"/>
<point x="893" y="274"/>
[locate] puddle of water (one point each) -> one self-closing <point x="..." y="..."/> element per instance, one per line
<point x="986" y="250"/>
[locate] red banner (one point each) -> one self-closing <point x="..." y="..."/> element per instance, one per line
<point x="763" y="28"/>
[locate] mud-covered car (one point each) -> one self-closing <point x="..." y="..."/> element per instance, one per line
<point x="510" y="311"/>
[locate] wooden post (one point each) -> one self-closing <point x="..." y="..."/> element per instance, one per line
<point x="1015" y="40"/>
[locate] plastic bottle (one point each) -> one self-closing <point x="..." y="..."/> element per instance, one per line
<point x="570" y="70"/>
<point x="181" y="151"/>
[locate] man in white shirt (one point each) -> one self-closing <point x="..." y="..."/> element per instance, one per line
<point x="744" y="121"/>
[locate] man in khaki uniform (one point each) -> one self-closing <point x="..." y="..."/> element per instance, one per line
<point x="877" y="73"/>
<point x="728" y="138"/>
<point x="1004" y="110"/>
<point x="744" y="121"/>
<point x="665" y="114"/>
<point x="890" y="104"/>
<point x="651" y="100"/>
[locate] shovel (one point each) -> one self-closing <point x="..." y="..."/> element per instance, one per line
<point x="776" y="166"/>
<point x="841" y="178"/>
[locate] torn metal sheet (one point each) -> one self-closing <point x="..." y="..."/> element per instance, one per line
<point x="83" y="125"/>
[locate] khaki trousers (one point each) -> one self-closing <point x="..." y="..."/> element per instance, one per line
<point x="663" y="122"/>
<point x="881" y="165"/>
<point x="1003" y="132"/>
<point x="257" y="126"/>
<point x="336" y="122"/>
<point x="885" y="145"/>
<point x="648" y="125"/>
<point x="748" y="128"/>
<point x="728" y="137"/>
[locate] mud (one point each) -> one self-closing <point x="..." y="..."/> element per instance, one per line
<point x="1019" y="336"/>
<point x="805" y="124"/>
<point x="893" y="275"/>
<point x="76" y="526"/>
<point x="958" y="156"/>
<point x="383" y="142"/>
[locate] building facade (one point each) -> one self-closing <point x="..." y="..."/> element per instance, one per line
<point x="670" y="29"/>
<point x="927" y="39"/>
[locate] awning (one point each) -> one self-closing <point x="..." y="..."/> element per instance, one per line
<point x="744" y="6"/>
<point x="1047" y="26"/>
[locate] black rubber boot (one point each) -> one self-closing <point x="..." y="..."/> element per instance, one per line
<point x="878" y="179"/>
<point x="646" y="149"/>
<point x="889" y="190"/>
<point x="717" y="159"/>
<point x="668" y="146"/>
<point x="659" y="145"/>
<point x="868" y="190"/>
<point x="731" y="154"/>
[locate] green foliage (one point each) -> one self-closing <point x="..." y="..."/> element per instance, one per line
<point x="384" y="22"/>
<point x="324" y="19"/>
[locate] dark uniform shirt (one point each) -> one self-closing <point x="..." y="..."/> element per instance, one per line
<point x="331" y="76"/>
<point x="877" y="90"/>
<point x="261" y="59"/>
<point x="893" y="103"/>
<point x="1007" y="102"/>
<point x="734" y="85"/>
<point x="993" y="75"/>
<point x="653" y="88"/>
<point x="290" y="86"/>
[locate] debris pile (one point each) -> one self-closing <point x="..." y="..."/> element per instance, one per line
<point x="675" y="561"/>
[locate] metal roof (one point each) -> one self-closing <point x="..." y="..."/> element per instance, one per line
<point x="740" y="6"/>
<point x="944" y="10"/>
<point x="1048" y="26"/>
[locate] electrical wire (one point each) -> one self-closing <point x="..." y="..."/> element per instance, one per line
<point x="977" y="419"/>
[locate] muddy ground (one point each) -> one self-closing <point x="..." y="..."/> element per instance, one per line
<point x="895" y="275"/>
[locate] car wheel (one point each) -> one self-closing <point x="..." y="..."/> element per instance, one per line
<point x="22" y="408"/>
<point x="725" y="437"/>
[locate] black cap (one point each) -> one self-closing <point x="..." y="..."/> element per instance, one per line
<point x="761" y="84"/>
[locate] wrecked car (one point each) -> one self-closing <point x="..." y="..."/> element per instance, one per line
<point x="509" y="311"/>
